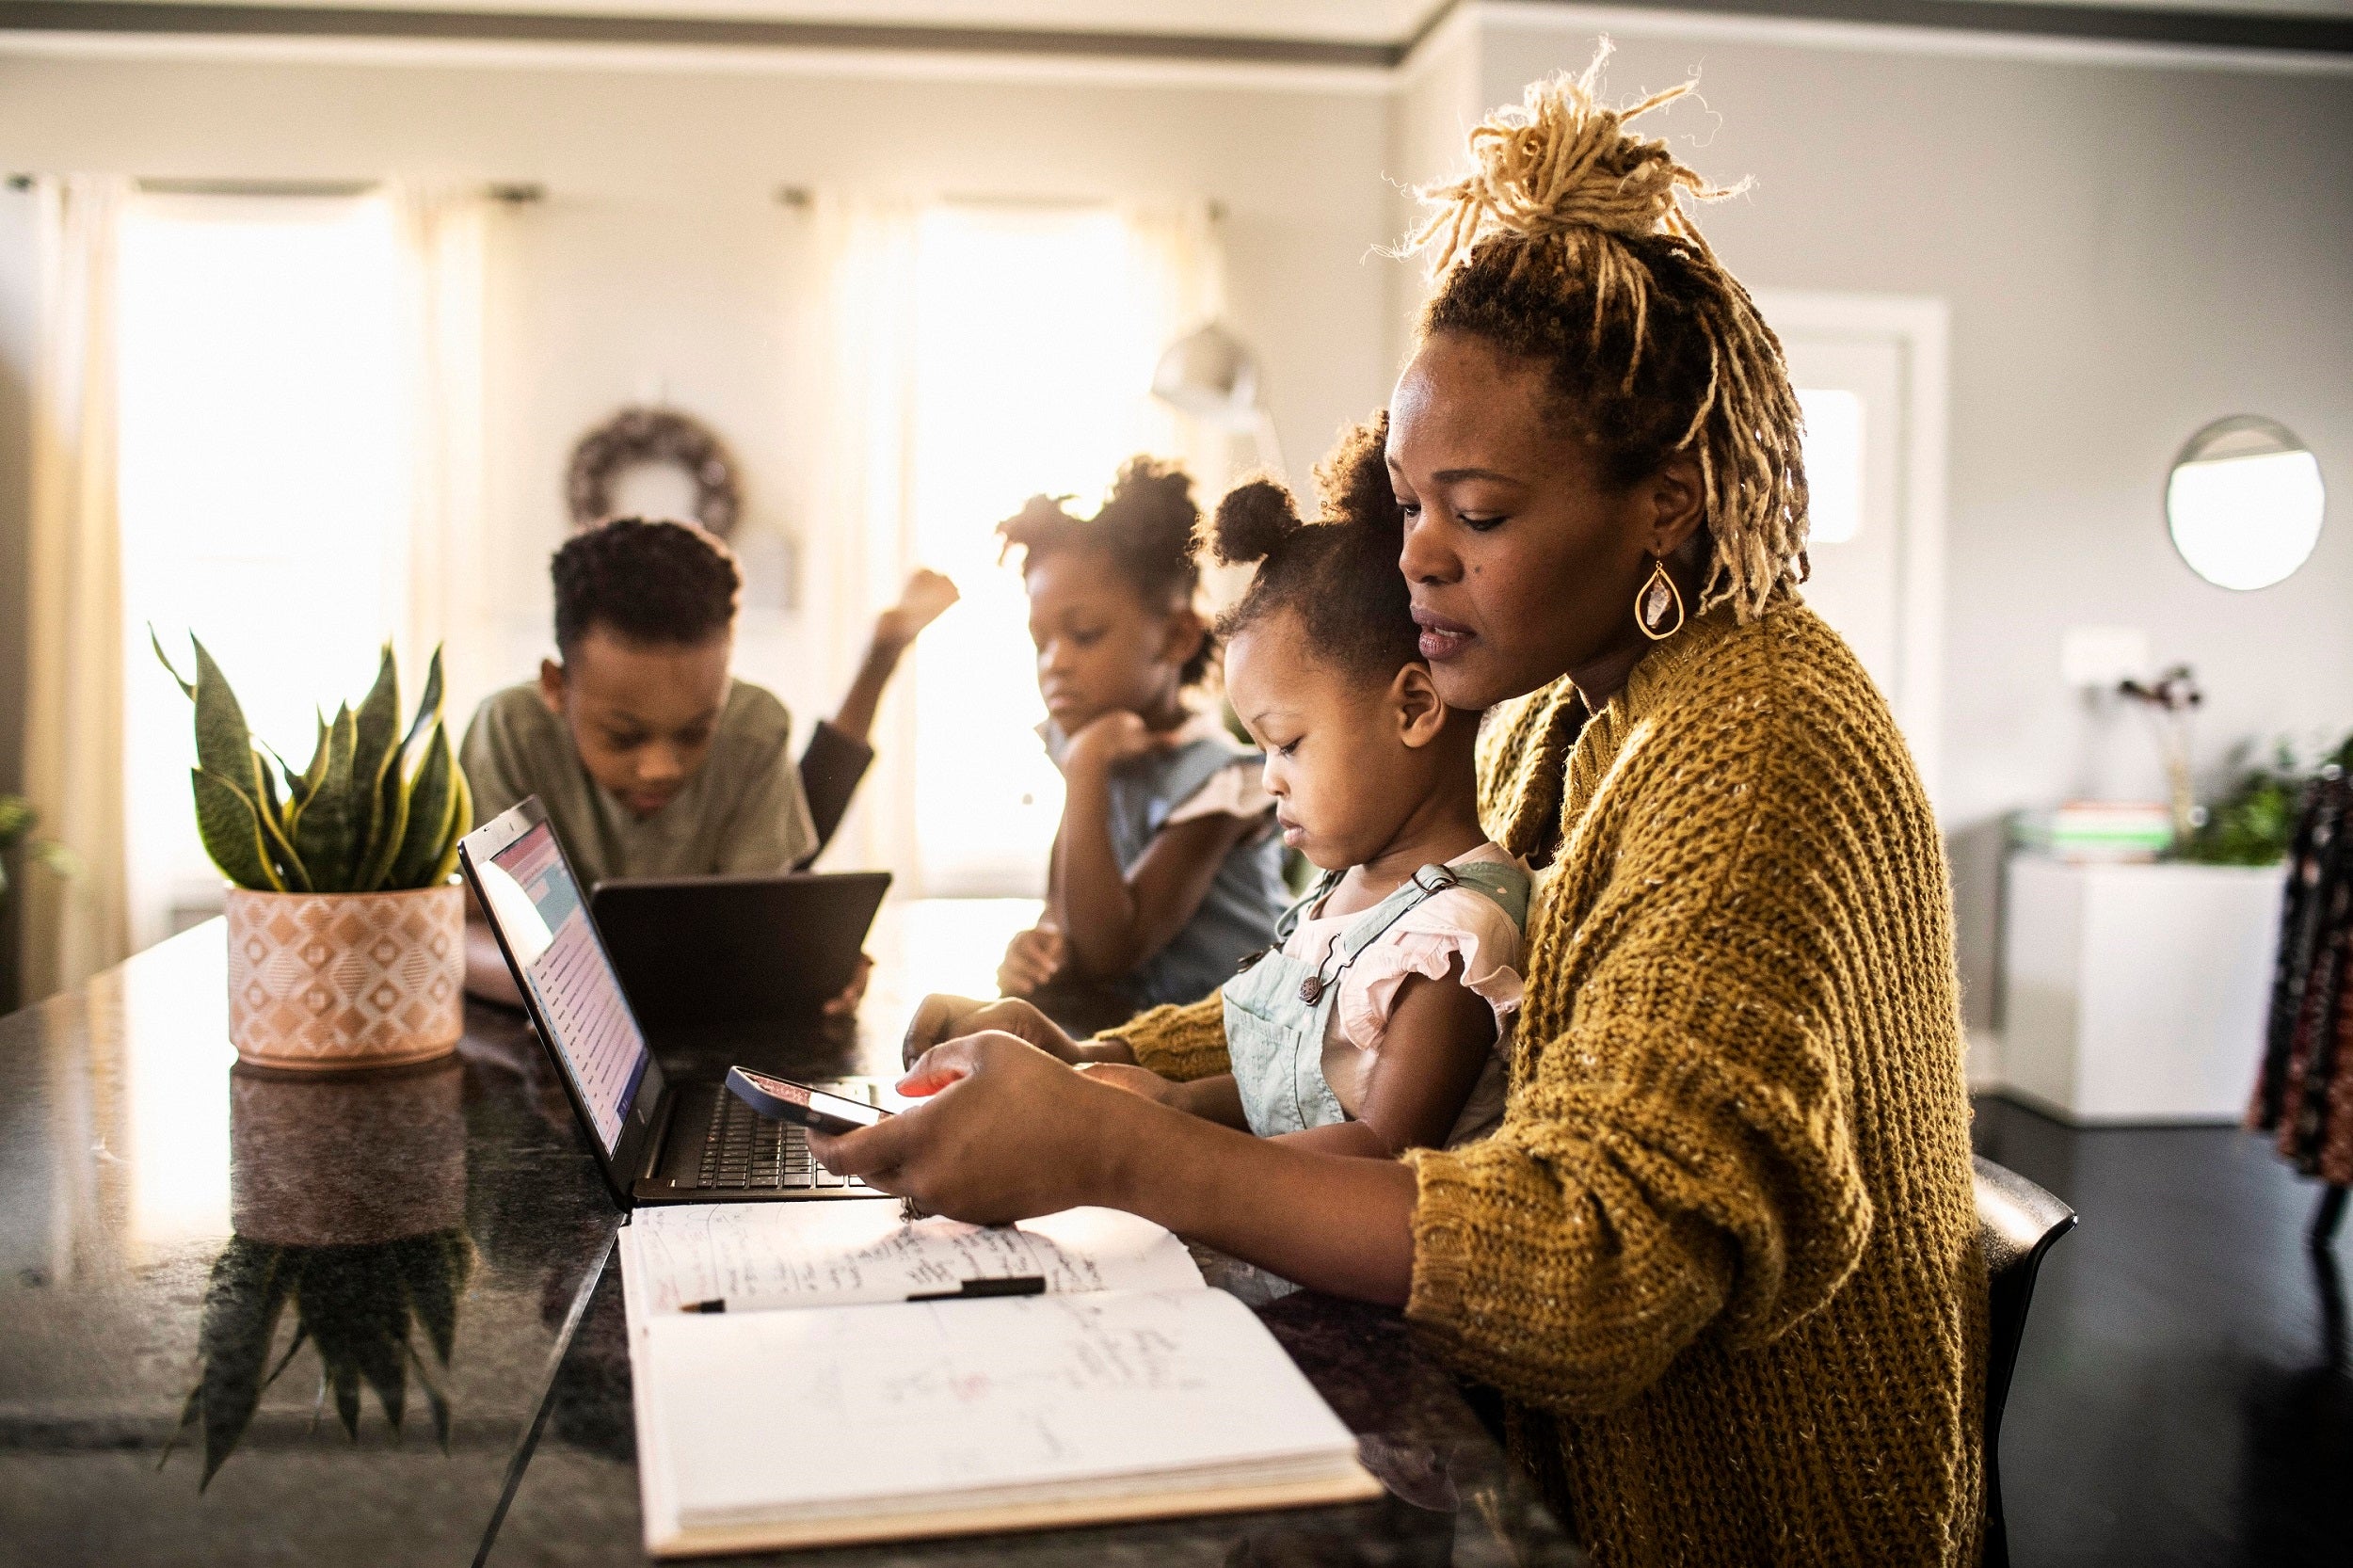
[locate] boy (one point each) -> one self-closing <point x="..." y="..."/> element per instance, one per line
<point x="650" y="758"/>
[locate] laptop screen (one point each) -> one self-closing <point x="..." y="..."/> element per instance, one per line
<point x="532" y="896"/>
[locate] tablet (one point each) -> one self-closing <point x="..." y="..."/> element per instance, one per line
<point x="732" y="949"/>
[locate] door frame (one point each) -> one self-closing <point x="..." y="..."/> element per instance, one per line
<point x="1920" y="326"/>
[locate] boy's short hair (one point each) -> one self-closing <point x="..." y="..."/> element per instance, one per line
<point x="646" y="580"/>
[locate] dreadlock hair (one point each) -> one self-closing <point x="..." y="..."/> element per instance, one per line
<point x="1143" y="528"/>
<point x="1339" y="575"/>
<point x="1568" y="245"/>
<point x="647" y="580"/>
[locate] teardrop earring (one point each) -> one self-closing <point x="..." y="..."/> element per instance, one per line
<point x="1658" y="595"/>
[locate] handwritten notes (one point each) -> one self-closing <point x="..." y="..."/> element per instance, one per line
<point x="934" y="1405"/>
<point x="762" y="1255"/>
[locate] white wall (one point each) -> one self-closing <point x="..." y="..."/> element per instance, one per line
<point x="661" y="257"/>
<point x="2129" y="252"/>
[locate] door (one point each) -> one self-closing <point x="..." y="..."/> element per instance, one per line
<point x="1870" y="377"/>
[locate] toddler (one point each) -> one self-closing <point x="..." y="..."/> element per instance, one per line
<point x="1167" y="870"/>
<point x="1377" y="1021"/>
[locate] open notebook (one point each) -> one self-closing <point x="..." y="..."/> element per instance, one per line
<point x="821" y="1406"/>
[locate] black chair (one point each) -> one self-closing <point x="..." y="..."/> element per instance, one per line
<point x="2017" y="1223"/>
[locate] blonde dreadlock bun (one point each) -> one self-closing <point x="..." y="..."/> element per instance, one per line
<point x="1569" y="243"/>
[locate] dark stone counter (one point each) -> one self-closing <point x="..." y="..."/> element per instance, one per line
<point x="263" y="1319"/>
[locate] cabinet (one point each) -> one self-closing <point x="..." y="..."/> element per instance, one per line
<point x="2135" y="993"/>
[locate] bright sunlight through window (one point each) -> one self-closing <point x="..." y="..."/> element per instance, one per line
<point x="1833" y="463"/>
<point x="263" y="488"/>
<point x="1033" y="367"/>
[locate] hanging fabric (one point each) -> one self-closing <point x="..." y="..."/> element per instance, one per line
<point x="2304" y="1095"/>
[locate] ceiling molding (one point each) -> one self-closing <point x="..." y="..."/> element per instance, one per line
<point x="2226" y="38"/>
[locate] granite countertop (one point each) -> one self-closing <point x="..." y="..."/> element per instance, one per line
<point x="261" y="1318"/>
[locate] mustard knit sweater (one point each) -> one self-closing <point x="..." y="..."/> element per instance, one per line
<point x="1721" y="1257"/>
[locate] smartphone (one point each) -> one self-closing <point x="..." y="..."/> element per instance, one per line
<point x="788" y="1101"/>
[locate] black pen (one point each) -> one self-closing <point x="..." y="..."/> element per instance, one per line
<point x="1011" y="1285"/>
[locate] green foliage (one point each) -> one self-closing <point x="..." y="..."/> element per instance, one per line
<point x="376" y="809"/>
<point x="2253" y="824"/>
<point x="17" y="821"/>
<point x="357" y="1305"/>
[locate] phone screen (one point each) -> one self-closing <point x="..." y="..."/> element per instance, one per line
<point x="788" y="1101"/>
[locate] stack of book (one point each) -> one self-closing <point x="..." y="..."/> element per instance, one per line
<point x="2097" y="830"/>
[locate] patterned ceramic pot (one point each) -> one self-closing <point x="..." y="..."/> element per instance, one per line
<point x="328" y="981"/>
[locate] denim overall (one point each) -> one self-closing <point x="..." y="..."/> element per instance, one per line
<point x="1237" y="915"/>
<point x="1278" y="1009"/>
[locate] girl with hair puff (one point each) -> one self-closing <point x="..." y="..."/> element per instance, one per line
<point x="1167" y="869"/>
<point x="1374" y="1024"/>
<point x="1720" y="1256"/>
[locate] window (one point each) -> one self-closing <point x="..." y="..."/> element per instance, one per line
<point x="1036" y="330"/>
<point x="263" y="488"/>
<point x="1833" y="463"/>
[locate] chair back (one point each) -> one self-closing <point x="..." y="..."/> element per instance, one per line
<point x="2017" y="1221"/>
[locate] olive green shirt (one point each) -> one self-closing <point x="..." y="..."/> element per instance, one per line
<point x="744" y="813"/>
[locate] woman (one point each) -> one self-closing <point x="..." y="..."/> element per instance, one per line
<point x="1720" y="1255"/>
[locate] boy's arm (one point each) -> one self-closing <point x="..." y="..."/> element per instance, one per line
<point x="488" y="760"/>
<point x="840" y="749"/>
<point x="831" y="770"/>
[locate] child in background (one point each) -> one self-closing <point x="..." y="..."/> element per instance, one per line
<point x="650" y="758"/>
<point x="1379" y="1022"/>
<point x="1167" y="870"/>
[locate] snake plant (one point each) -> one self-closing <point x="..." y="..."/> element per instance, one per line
<point x="357" y="1305"/>
<point x="361" y="818"/>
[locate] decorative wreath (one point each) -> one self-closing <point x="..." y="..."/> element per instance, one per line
<point x="636" y="436"/>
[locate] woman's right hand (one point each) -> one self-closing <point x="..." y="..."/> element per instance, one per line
<point x="941" y="1018"/>
<point x="1031" y="958"/>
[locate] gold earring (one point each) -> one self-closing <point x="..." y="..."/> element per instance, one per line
<point x="1653" y="599"/>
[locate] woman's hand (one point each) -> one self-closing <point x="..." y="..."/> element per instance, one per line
<point x="1008" y="1133"/>
<point x="1031" y="958"/>
<point x="941" y="1018"/>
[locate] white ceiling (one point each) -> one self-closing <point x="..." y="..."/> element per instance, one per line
<point x="1352" y="20"/>
<point x="1340" y="21"/>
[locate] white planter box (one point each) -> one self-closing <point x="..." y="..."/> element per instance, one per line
<point x="2137" y="993"/>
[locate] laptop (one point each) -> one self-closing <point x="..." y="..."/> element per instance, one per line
<point x="656" y="1142"/>
<point x="695" y="950"/>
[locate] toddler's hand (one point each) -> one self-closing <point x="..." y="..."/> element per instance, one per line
<point x="926" y="598"/>
<point x="941" y="1018"/>
<point x="1031" y="958"/>
<point x="1111" y="739"/>
<point x="1141" y="1082"/>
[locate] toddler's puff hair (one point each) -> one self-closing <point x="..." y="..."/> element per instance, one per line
<point x="1255" y="521"/>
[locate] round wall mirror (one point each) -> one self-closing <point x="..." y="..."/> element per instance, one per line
<point x="2244" y="502"/>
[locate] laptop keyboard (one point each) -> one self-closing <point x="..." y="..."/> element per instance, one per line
<point x="745" y="1149"/>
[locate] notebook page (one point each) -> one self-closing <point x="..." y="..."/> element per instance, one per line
<point x="799" y="1254"/>
<point x="793" y="1415"/>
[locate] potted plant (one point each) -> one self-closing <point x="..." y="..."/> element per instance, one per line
<point x="346" y="933"/>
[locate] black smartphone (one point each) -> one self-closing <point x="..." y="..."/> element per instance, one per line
<point x="787" y="1101"/>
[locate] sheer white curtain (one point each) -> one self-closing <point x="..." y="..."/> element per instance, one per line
<point x="981" y="353"/>
<point x="860" y="549"/>
<point x="445" y="239"/>
<point x="74" y="708"/>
